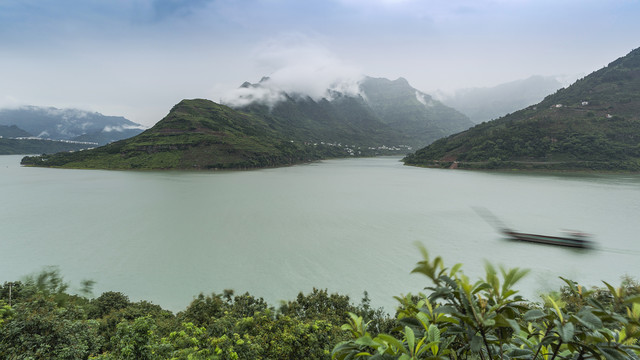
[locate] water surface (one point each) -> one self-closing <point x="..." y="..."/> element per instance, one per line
<point x="346" y="225"/>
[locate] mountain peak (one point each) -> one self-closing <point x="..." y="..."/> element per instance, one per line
<point x="401" y="80"/>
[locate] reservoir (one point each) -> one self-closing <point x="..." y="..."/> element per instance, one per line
<point x="346" y="225"/>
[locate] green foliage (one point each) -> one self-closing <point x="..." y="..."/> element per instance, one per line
<point x="455" y="318"/>
<point x="5" y="311"/>
<point x="594" y="125"/>
<point x="319" y="305"/>
<point x="106" y="303"/>
<point x="38" y="328"/>
<point x="486" y="319"/>
<point x="135" y="341"/>
<point x="200" y="134"/>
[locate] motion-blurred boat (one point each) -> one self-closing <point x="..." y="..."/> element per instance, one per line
<point x="573" y="239"/>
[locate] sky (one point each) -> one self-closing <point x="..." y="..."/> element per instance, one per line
<point x="138" y="58"/>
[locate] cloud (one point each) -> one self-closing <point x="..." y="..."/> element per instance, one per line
<point x="246" y="95"/>
<point x="297" y="65"/>
<point x="121" y="128"/>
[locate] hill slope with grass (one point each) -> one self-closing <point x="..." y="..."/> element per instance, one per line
<point x="593" y="124"/>
<point x="198" y="134"/>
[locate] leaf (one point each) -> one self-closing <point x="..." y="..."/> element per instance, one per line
<point x="445" y="309"/>
<point x="366" y="340"/>
<point x="534" y="314"/>
<point x="479" y="286"/>
<point x="397" y="344"/>
<point x="476" y="343"/>
<point x="455" y="269"/>
<point x="411" y="339"/>
<point x="555" y="306"/>
<point x="488" y="322"/>
<point x="424" y="319"/>
<point x="611" y="289"/>
<point x="433" y="346"/>
<point x="511" y="278"/>
<point x="589" y="320"/>
<point x="363" y="353"/>
<point x="632" y="299"/>
<point x="514" y="325"/>
<point x="433" y="333"/>
<point x="612" y="354"/>
<point x="566" y="332"/>
<point x="420" y="348"/>
<point x="520" y="354"/>
<point x="571" y="284"/>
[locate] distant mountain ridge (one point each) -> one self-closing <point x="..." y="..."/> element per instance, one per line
<point x="200" y="134"/>
<point x="592" y="124"/>
<point x="414" y="113"/>
<point x="485" y="104"/>
<point x="12" y="132"/>
<point x="69" y="124"/>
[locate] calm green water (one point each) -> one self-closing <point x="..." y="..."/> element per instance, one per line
<point x="345" y="225"/>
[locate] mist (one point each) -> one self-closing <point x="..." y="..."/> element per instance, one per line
<point x="139" y="58"/>
<point x="297" y="66"/>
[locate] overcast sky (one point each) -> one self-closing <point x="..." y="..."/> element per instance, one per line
<point x="137" y="58"/>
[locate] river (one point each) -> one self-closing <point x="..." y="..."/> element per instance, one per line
<point x="346" y="225"/>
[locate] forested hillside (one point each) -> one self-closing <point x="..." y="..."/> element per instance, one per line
<point x="200" y="134"/>
<point x="593" y="124"/>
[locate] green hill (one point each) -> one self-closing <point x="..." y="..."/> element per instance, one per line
<point x="198" y="134"/>
<point x="344" y="119"/>
<point x="389" y="118"/>
<point x="593" y="124"/>
<point x="385" y="112"/>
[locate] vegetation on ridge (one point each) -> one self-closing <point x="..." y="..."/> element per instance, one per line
<point x="196" y="134"/>
<point x="200" y="134"/>
<point x="593" y="124"/>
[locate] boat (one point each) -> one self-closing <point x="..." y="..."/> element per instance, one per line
<point x="574" y="239"/>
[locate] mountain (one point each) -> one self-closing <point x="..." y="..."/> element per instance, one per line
<point x="592" y="124"/>
<point x="39" y="146"/>
<point x="484" y="104"/>
<point x="410" y="111"/>
<point x="12" y="132"/>
<point x="199" y="134"/>
<point x="14" y="141"/>
<point x="69" y="124"/>
<point x="344" y="119"/>
<point x="381" y="112"/>
<point x="388" y="117"/>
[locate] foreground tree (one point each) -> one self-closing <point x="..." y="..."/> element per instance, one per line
<point x="486" y="319"/>
<point x="36" y="326"/>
